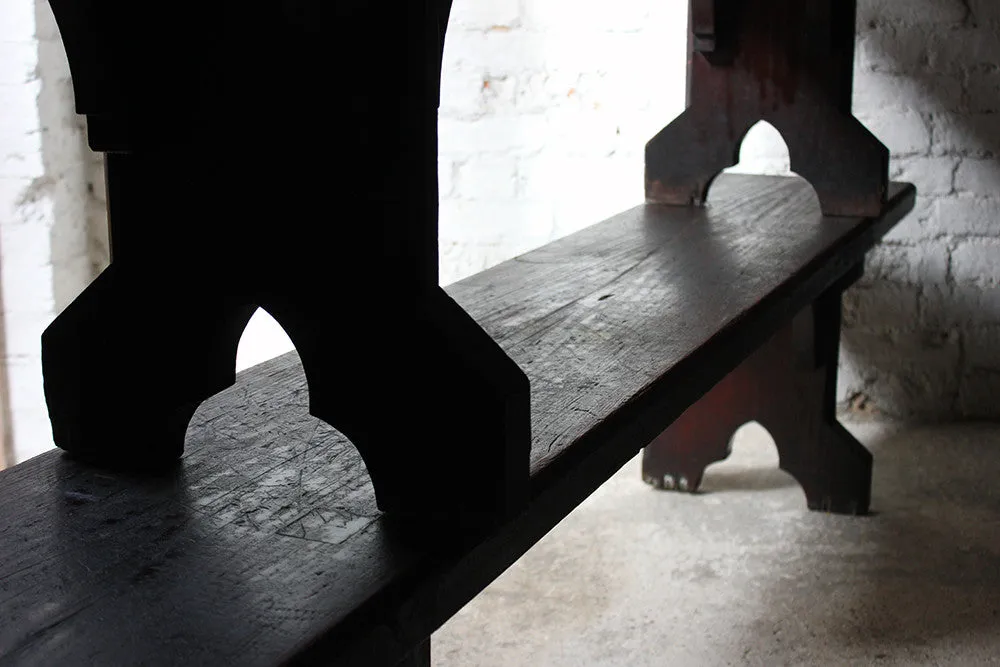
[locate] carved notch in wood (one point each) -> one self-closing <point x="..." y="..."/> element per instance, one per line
<point x="703" y="28"/>
<point x="234" y="181"/>
<point x="789" y="62"/>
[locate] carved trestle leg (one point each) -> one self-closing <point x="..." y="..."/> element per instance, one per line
<point x="346" y="260"/>
<point x="786" y="62"/>
<point x="788" y="386"/>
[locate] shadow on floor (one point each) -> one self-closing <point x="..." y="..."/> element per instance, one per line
<point x="743" y="574"/>
<point x="928" y="575"/>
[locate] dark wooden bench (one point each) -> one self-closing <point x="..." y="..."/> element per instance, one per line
<point x="266" y="544"/>
<point x="666" y="326"/>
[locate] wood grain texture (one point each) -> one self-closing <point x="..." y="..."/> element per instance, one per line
<point x="265" y="544"/>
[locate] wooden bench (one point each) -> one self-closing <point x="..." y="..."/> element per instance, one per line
<point x="666" y="324"/>
<point x="266" y="544"/>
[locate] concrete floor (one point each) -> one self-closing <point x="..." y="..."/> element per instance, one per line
<point x="743" y="574"/>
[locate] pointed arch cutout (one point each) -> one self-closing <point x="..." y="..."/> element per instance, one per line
<point x="762" y="150"/>
<point x="262" y="339"/>
<point x="753" y="465"/>
<point x="240" y="425"/>
<point x="276" y="475"/>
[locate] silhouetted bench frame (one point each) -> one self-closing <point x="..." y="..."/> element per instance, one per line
<point x="669" y="325"/>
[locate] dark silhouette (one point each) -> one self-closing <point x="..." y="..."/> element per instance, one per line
<point x="282" y="156"/>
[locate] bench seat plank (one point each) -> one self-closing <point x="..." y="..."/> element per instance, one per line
<point x="265" y="544"/>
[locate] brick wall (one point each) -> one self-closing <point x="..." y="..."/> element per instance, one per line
<point x="921" y="332"/>
<point x="43" y="196"/>
<point x="546" y="107"/>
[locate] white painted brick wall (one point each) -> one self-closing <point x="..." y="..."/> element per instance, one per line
<point x="546" y="107"/>
<point x="921" y="330"/>
<point x="44" y="261"/>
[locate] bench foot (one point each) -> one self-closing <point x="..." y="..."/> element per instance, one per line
<point x="788" y="386"/>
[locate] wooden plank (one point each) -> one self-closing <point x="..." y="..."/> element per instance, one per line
<point x="265" y="544"/>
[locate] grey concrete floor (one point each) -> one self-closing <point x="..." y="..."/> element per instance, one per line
<point x="743" y="574"/>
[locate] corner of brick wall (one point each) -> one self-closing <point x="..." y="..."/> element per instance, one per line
<point x="921" y="329"/>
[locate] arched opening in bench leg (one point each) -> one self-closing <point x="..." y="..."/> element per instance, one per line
<point x="438" y="412"/>
<point x="762" y="151"/>
<point x="789" y="386"/>
<point x="746" y="66"/>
